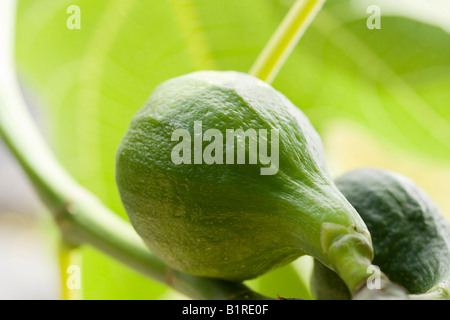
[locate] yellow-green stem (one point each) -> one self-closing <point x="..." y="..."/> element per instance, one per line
<point x="285" y="38"/>
<point x="70" y="260"/>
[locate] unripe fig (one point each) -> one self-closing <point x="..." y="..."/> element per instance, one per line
<point x="411" y="237"/>
<point x="222" y="176"/>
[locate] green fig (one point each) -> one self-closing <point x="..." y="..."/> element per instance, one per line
<point x="222" y="176"/>
<point x="411" y="237"/>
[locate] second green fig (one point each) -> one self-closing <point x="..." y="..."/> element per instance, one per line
<point x="411" y="237"/>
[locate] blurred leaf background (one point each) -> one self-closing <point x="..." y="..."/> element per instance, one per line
<point x="377" y="97"/>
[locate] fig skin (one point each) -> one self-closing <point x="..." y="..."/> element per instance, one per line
<point x="227" y="220"/>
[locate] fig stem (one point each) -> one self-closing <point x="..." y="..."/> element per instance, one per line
<point x="285" y="39"/>
<point x="349" y="253"/>
<point x="82" y="218"/>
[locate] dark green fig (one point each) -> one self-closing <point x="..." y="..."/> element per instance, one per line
<point x="411" y="237"/>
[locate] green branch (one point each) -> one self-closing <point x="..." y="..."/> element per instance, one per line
<point x="285" y="38"/>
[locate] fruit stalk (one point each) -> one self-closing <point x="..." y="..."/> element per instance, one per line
<point x="349" y="253"/>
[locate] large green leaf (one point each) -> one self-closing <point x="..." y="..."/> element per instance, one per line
<point x="394" y="80"/>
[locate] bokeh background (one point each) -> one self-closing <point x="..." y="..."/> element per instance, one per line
<point x="378" y="97"/>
